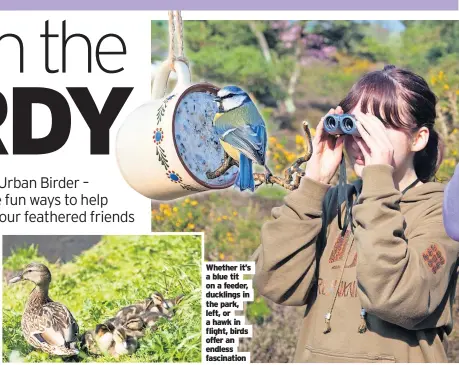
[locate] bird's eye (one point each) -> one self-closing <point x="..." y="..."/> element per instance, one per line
<point x="230" y="95"/>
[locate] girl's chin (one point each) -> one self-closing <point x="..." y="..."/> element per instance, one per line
<point x="359" y="161"/>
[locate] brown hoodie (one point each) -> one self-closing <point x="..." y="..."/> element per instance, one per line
<point x="398" y="265"/>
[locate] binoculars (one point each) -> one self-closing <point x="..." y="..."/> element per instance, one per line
<point x="337" y="124"/>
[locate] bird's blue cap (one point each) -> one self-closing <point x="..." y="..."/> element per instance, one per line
<point x="233" y="89"/>
<point x="230" y="90"/>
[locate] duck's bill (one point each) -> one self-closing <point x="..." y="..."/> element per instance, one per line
<point x="15" y="279"/>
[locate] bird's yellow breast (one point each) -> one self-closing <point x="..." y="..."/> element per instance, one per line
<point x="217" y="115"/>
<point x="230" y="150"/>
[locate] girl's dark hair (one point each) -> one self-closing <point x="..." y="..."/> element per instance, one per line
<point x="401" y="100"/>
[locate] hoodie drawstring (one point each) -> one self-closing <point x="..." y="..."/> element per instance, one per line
<point x="363" y="323"/>
<point x="347" y="197"/>
<point x="335" y="295"/>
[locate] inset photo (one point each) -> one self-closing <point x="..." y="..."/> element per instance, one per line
<point x="102" y="298"/>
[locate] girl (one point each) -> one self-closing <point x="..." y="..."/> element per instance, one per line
<point x="451" y="207"/>
<point x="378" y="284"/>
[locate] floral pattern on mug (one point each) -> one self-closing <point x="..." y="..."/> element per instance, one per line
<point x="158" y="136"/>
<point x="174" y="177"/>
<point x="162" y="108"/>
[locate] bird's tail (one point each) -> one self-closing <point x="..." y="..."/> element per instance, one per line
<point x="64" y="351"/>
<point x="245" y="177"/>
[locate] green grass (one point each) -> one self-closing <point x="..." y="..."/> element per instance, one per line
<point x="118" y="271"/>
<point x="272" y="192"/>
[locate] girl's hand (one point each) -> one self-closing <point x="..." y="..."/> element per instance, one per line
<point x="378" y="148"/>
<point x="327" y="153"/>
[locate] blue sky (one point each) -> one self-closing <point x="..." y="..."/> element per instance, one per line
<point x="393" y="25"/>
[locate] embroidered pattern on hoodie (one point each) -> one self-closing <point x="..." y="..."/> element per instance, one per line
<point x="345" y="288"/>
<point x="339" y="249"/>
<point x="353" y="263"/>
<point x="433" y="258"/>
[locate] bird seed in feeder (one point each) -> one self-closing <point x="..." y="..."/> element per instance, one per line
<point x="197" y="141"/>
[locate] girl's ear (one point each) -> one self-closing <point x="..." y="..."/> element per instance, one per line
<point x="420" y="139"/>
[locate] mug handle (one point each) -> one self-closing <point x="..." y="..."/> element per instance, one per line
<point x="159" y="87"/>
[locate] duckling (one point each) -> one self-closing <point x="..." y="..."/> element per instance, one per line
<point x="165" y="306"/>
<point x="111" y="324"/>
<point x="46" y="325"/>
<point x="122" y="343"/>
<point x="133" y="324"/>
<point x="161" y="305"/>
<point x="104" y="336"/>
<point x="149" y="304"/>
<point x="170" y="304"/>
<point x="99" y="340"/>
<point x="88" y="343"/>
<point x="150" y="319"/>
<point x="134" y="327"/>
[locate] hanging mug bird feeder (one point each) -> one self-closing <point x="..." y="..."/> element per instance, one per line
<point x="166" y="146"/>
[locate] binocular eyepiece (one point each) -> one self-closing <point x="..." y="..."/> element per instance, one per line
<point x="338" y="124"/>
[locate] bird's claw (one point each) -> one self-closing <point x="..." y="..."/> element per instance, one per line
<point x="268" y="175"/>
<point x="211" y="174"/>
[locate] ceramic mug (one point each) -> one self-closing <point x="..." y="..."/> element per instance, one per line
<point x="165" y="146"/>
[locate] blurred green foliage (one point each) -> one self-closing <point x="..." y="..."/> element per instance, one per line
<point x="299" y="69"/>
<point x="118" y="271"/>
<point x="234" y="230"/>
<point x="258" y="311"/>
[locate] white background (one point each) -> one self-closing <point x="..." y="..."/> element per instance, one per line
<point x="73" y="160"/>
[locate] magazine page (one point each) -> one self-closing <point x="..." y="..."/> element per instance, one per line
<point x="229" y="182"/>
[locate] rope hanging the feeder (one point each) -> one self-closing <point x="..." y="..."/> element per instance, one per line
<point x="176" y="47"/>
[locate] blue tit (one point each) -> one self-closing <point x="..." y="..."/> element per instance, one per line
<point x="242" y="132"/>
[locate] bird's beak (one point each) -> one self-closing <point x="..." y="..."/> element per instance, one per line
<point x="218" y="99"/>
<point x="15" y="279"/>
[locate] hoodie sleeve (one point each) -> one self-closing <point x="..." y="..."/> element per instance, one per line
<point x="286" y="261"/>
<point x="401" y="280"/>
<point x="451" y="207"/>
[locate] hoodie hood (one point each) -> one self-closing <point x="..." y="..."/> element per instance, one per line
<point x="426" y="191"/>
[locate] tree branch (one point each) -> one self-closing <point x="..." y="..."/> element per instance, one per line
<point x="228" y="162"/>
<point x="292" y="175"/>
<point x="262" y="42"/>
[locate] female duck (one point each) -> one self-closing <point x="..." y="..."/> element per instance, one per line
<point x="46" y="325"/>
